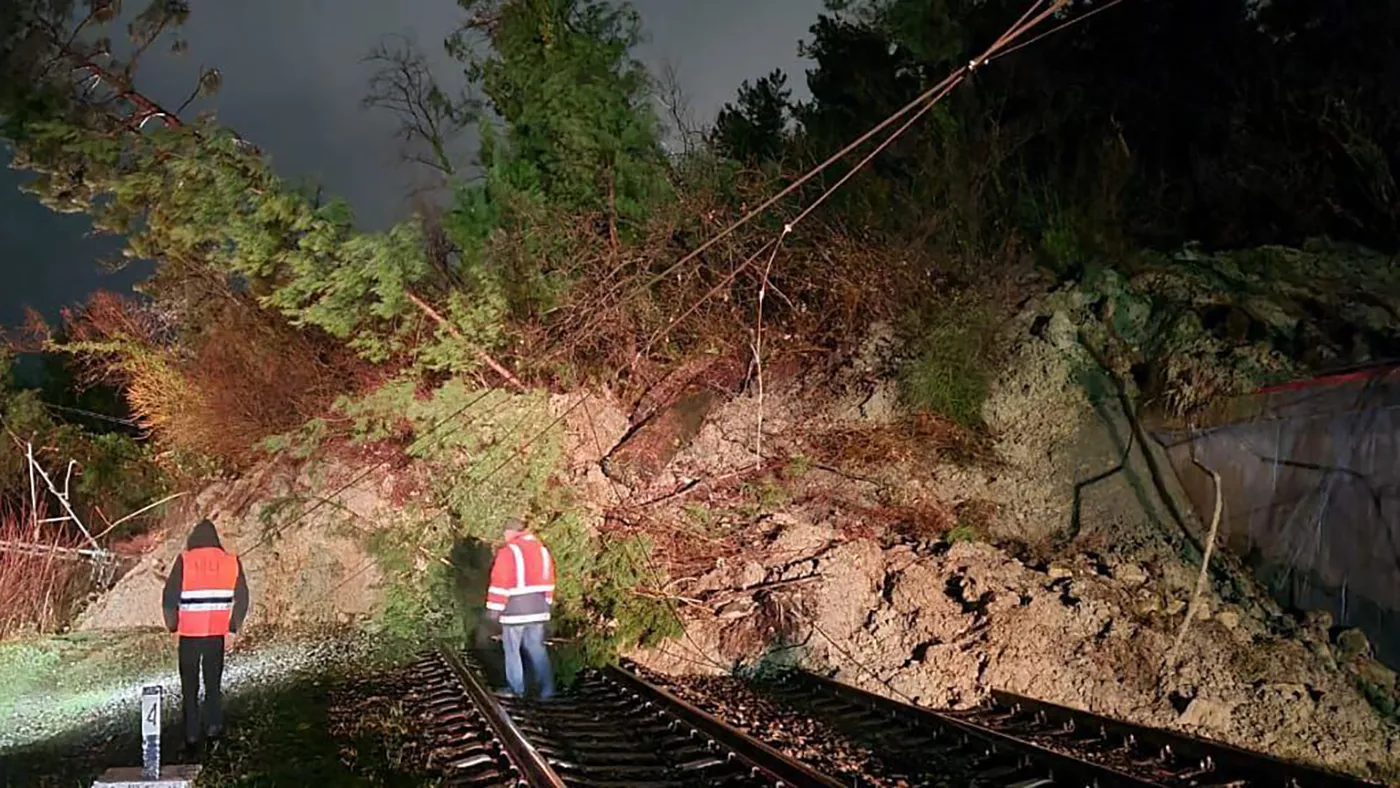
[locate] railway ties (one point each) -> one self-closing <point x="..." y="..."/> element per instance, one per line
<point x="463" y="746"/>
<point x="611" y="729"/>
<point x="617" y="728"/>
<point x="1018" y="741"/>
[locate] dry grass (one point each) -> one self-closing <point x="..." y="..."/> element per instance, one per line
<point x="922" y="438"/>
<point x="633" y="311"/>
<point x="218" y="393"/>
<point x="38" y="587"/>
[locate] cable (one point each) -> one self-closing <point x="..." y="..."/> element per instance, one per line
<point x="92" y="414"/>
<point x="1076" y="20"/>
<point x="851" y="658"/>
<point x="323" y="500"/>
<point x="920" y="106"/>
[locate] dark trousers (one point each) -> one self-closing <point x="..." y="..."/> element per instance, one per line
<point x="207" y="654"/>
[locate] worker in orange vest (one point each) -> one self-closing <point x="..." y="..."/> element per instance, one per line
<point x="206" y="600"/>
<point x="520" y="597"/>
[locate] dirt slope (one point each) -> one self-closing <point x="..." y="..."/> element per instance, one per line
<point x="301" y="538"/>
<point x="1072" y="590"/>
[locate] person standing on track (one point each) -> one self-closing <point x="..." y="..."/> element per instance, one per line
<point x="205" y="602"/>
<point x="520" y="597"/>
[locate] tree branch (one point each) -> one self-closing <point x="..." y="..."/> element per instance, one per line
<point x="485" y="357"/>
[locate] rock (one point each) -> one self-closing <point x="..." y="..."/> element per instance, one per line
<point x="1056" y="571"/>
<point x="1061" y="332"/>
<point x="1318" y="623"/>
<point x="1228" y="618"/>
<point x="1148" y="604"/>
<point x="1206" y="713"/>
<point x="1352" y="643"/>
<point x="1376" y="674"/>
<point x="739" y="608"/>
<point x="1323" y="652"/>
<point x="751" y="575"/>
<point x="1130" y="575"/>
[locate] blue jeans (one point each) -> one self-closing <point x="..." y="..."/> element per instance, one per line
<point x="530" y="637"/>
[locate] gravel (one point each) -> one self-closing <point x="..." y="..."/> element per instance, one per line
<point x="102" y="708"/>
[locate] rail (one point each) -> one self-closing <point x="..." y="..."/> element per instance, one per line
<point x="1056" y="745"/>
<point x="1222" y="762"/>
<point x="778" y="767"/>
<point x="611" y="727"/>
<point x="535" y="771"/>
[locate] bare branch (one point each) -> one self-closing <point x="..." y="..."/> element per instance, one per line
<point x="428" y="117"/>
<point x="673" y="99"/>
<point x="486" y="358"/>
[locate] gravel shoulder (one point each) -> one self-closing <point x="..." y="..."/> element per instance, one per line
<point x="314" y="711"/>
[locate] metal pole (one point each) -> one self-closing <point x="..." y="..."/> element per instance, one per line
<point x="150" y="732"/>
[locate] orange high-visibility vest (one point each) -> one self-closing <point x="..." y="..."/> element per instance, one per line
<point x="207" y="580"/>
<point x="522" y="581"/>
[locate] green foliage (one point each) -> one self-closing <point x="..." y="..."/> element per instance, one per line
<point x="114" y="472"/>
<point x="765" y="495"/>
<point x="206" y="206"/>
<point x="1382" y="699"/>
<point x="493" y="456"/>
<point x="755" y="128"/>
<point x="580" y="134"/>
<point x="949" y="371"/>
<point x="962" y="532"/>
<point x="578" y="152"/>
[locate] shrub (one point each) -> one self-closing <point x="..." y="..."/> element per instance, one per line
<point x="219" y="392"/>
<point x="38" y="585"/>
<point x="949" y="371"/>
<point x="492" y="456"/>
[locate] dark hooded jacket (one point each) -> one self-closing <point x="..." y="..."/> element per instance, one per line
<point x="203" y="535"/>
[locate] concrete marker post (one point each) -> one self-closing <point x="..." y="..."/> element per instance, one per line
<point x="150" y="774"/>
<point x="150" y="732"/>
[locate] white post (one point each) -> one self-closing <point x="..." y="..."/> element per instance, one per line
<point x="150" y="732"/>
<point x="33" y="490"/>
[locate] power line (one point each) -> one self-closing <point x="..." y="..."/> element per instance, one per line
<point x="91" y="414"/>
<point x="920" y="106"/>
<point x="915" y="109"/>
<point x="322" y="501"/>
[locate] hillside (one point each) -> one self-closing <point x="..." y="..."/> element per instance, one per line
<point x="889" y="404"/>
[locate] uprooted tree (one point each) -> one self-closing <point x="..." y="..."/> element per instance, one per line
<point x="554" y="261"/>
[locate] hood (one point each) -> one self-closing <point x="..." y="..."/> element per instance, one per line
<point x="203" y="535"/>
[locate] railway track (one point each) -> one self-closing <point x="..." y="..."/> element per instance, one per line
<point x="611" y="729"/>
<point x="620" y="727"/>
<point x="1023" y="742"/>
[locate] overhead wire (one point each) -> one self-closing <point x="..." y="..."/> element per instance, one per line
<point x="1063" y="25"/>
<point x="271" y="533"/>
<point x="919" y="106"/>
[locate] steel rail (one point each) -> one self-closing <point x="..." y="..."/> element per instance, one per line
<point x="761" y="758"/>
<point x="1061" y="768"/>
<point x="1221" y="761"/>
<point x="534" y="770"/>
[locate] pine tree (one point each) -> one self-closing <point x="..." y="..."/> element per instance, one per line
<point x="755" y="129"/>
<point x="580" y="133"/>
<point x="203" y="203"/>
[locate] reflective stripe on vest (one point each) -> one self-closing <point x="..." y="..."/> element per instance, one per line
<point x="208" y="577"/>
<point x="522" y="581"/>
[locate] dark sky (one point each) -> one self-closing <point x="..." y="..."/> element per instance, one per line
<point x="292" y="84"/>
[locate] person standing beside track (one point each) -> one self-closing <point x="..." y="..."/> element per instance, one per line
<point x="205" y="602"/>
<point x="520" y="597"/>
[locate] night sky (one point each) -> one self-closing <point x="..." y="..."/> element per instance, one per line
<point x="293" y="82"/>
